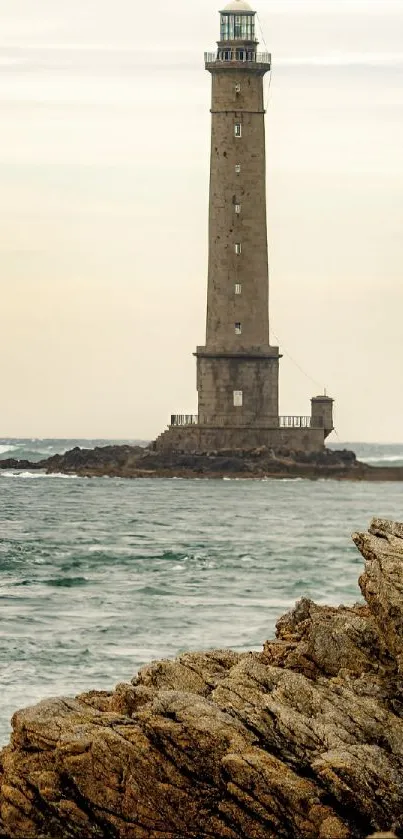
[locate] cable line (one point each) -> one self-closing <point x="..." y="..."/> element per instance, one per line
<point x="271" y="66"/>
<point x="301" y="369"/>
<point x="304" y="373"/>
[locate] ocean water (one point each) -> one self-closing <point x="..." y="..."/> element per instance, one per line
<point x="99" y="576"/>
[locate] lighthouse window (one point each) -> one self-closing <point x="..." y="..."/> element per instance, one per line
<point x="237" y="208"/>
<point x="237" y="395"/>
<point x="238" y="168"/>
<point x="238" y="247"/>
<point x="238" y="288"/>
<point x="238" y="129"/>
<point x="237" y="26"/>
<point x="238" y="329"/>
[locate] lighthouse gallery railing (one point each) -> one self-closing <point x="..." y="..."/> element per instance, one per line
<point x="295" y="422"/>
<point x="237" y="55"/>
<point x="284" y="421"/>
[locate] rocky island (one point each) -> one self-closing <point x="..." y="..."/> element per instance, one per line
<point x="125" y="461"/>
<point x="300" y="740"/>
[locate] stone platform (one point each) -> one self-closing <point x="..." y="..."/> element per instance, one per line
<point x="206" y="438"/>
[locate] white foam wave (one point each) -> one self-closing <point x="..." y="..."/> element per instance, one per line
<point x="387" y="458"/>
<point x="6" y="448"/>
<point x="287" y="480"/>
<point x="16" y="474"/>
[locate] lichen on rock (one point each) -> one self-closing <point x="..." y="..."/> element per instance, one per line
<point x="302" y="740"/>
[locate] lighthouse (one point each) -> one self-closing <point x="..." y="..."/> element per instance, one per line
<point x="237" y="367"/>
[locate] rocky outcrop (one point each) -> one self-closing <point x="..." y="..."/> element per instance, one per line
<point x="100" y="460"/>
<point x="137" y="462"/>
<point x="302" y="740"/>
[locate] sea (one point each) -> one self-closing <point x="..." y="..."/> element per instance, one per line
<point x="99" y="576"/>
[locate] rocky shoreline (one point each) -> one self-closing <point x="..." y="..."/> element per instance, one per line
<point x="300" y="740"/>
<point x="126" y="461"/>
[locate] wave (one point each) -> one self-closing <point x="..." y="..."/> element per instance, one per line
<point x="7" y="448"/>
<point x="16" y="474"/>
<point x="383" y="458"/>
<point x="66" y="582"/>
<point x="286" y="480"/>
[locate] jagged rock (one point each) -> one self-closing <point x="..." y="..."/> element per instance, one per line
<point x="14" y="463"/>
<point x="303" y="740"/>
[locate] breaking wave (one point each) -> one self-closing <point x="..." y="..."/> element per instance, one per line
<point x="26" y="474"/>
<point x="5" y="448"/>
<point x="387" y="458"/>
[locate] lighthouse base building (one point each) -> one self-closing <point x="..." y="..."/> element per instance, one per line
<point x="238" y="368"/>
<point x="187" y="433"/>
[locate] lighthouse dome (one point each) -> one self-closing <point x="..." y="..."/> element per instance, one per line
<point x="238" y="6"/>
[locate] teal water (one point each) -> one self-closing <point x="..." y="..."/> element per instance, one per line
<point x="98" y="576"/>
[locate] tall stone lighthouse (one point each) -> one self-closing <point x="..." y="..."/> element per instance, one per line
<point x="238" y="368"/>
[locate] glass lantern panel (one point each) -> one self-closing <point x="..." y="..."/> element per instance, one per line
<point x="237" y="27"/>
<point x="224" y="34"/>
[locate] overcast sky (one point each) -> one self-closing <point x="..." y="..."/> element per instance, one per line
<point x="104" y="111"/>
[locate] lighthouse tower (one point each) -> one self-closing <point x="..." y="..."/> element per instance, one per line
<point x="237" y="367"/>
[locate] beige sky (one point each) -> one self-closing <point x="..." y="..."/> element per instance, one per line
<point x="104" y="150"/>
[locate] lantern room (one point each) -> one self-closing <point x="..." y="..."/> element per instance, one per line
<point x="237" y="22"/>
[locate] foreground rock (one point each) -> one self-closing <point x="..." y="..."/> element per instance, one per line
<point x="137" y="462"/>
<point x="303" y="740"/>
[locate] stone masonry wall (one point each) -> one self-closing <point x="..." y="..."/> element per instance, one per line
<point x="257" y="378"/>
<point x="238" y="266"/>
<point x="227" y="227"/>
<point x="196" y="438"/>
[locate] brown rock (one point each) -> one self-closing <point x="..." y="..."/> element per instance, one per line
<point x="303" y="740"/>
<point x="382" y="581"/>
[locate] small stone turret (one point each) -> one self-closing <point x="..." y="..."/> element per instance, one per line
<point x="322" y="413"/>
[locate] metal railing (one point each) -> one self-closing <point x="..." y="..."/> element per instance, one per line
<point x="295" y="422"/>
<point x="224" y="56"/>
<point x="184" y="419"/>
<point x="193" y="419"/>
